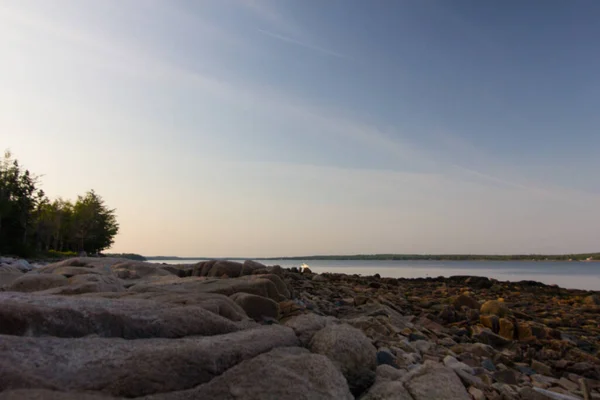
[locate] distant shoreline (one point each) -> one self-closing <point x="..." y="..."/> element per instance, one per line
<point x="584" y="257"/>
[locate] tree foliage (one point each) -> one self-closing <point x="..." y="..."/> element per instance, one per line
<point x="30" y="222"/>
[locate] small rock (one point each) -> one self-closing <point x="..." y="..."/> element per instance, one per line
<point x="592" y="300"/>
<point x="488" y="364"/>
<point x="453" y="363"/>
<point x="413" y="337"/>
<point x="506" y="376"/>
<point x="507" y="329"/>
<point x="386" y="372"/>
<point x="541" y="367"/>
<point x="434" y="381"/>
<point x="494" y="307"/>
<point x="466" y="301"/>
<point x="306" y="325"/>
<point x="490" y="338"/>
<point x="567" y="384"/>
<point x="385" y="357"/>
<point x="476" y="394"/>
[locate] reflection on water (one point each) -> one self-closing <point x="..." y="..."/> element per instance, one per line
<point x="576" y="275"/>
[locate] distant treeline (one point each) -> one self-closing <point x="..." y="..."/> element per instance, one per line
<point x="130" y="256"/>
<point x="413" y="257"/>
<point x="452" y="257"/>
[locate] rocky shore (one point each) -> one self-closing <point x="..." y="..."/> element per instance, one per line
<point x="106" y="328"/>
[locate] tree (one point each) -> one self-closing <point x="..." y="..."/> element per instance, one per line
<point x="18" y="200"/>
<point x="95" y="224"/>
<point x="30" y="222"/>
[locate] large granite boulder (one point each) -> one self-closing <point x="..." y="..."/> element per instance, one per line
<point x="35" y="282"/>
<point x="284" y="374"/>
<point x="88" y="283"/>
<point x="351" y="351"/>
<point x="67" y="316"/>
<point x="130" y="368"/>
<point x="260" y="285"/>
<point x="213" y="302"/>
<point x="230" y="269"/>
<point x="202" y="268"/>
<point x="256" y="307"/>
<point x="250" y="266"/>
<point x="306" y="325"/>
<point x="432" y="380"/>
<point x="45" y="394"/>
<point x="8" y="274"/>
<point x="100" y="264"/>
<point x="138" y="270"/>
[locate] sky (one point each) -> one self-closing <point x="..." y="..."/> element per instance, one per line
<point x="255" y="128"/>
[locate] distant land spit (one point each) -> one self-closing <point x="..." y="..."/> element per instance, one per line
<point x="410" y="257"/>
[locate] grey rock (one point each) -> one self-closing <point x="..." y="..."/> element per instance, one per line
<point x="230" y="268"/>
<point x="250" y="266"/>
<point x="8" y="274"/>
<point x="88" y="283"/>
<point x="44" y="394"/>
<point x="260" y="285"/>
<point x="453" y="363"/>
<point x="351" y="351"/>
<point x="470" y="380"/>
<point x="130" y="368"/>
<point x="506" y="376"/>
<point x="488" y="337"/>
<point x="101" y="264"/>
<point x="385" y="357"/>
<point x="282" y="374"/>
<point x="388" y="373"/>
<point x="255" y="306"/>
<point x="216" y="303"/>
<point x="138" y="270"/>
<point x="435" y="381"/>
<point x="535" y="393"/>
<point x="306" y="325"/>
<point x="202" y="268"/>
<point x="67" y="316"/>
<point x="34" y="282"/>
<point x="388" y="390"/>
<point x="22" y="265"/>
<point x="592" y="300"/>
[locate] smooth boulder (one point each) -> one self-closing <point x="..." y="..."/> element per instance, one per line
<point x="230" y="269"/>
<point x="250" y="266"/>
<point x="130" y="368"/>
<point x="35" y="282"/>
<point x="306" y="325"/>
<point x="432" y="380"/>
<point x="351" y="351"/>
<point x="254" y="284"/>
<point x="494" y="307"/>
<point x="67" y="316"/>
<point x="256" y="307"/>
<point x="284" y="374"/>
<point x="45" y="394"/>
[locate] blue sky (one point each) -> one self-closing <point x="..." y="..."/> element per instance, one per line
<point x="266" y="128"/>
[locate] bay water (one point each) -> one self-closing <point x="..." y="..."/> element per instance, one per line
<point x="571" y="275"/>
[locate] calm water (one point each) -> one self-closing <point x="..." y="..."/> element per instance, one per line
<point x="573" y="275"/>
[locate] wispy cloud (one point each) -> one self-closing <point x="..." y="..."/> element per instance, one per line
<point x="145" y="65"/>
<point x="303" y="44"/>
